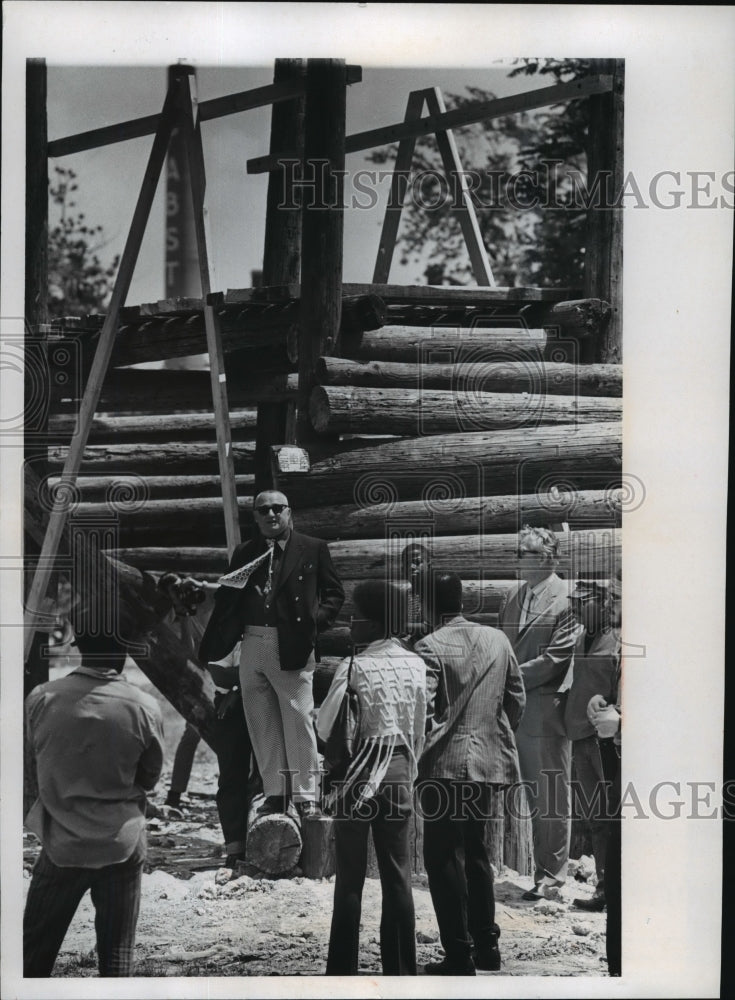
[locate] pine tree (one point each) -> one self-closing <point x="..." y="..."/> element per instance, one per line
<point x="79" y="283"/>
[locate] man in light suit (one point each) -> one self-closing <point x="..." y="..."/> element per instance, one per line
<point x="542" y="629"/>
<point x="475" y="700"/>
<point x="280" y="591"/>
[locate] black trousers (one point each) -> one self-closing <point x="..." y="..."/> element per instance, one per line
<point x="388" y="815"/>
<point x="613" y="858"/>
<point x="455" y="854"/>
<point x="235" y="787"/>
<point x="53" y="897"/>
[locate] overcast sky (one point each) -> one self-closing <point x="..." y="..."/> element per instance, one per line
<point x="84" y="97"/>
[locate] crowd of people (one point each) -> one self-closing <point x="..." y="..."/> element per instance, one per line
<point x="452" y="713"/>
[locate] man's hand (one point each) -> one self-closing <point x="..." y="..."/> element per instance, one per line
<point x="605" y="718"/>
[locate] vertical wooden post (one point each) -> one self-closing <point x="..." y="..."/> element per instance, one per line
<point x="398" y="185"/>
<point x="282" y="251"/>
<point x="218" y="378"/>
<point x="323" y="218"/>
<point x="603" y="275"/>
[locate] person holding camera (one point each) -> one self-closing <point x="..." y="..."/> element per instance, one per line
<point x="238" y="780"/>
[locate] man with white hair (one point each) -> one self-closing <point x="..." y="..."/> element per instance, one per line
<point x="542" y="629"/>
<point x="279" y="593"/>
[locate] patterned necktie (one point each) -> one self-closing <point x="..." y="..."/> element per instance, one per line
<point x="269" y="579"/>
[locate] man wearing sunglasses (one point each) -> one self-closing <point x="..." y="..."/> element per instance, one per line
<point x="279" y="593"/>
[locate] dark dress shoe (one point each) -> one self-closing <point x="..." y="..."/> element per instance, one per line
<point x="273" y="804"/>
<point x="594" y="905"/>
<point x="446" y="968"/>
<point x="487" y="959"/>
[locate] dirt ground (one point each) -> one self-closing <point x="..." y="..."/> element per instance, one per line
<point x="194" y="923"/>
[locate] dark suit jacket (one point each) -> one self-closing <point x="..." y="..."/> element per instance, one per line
<point x="544" y="648"/>
<point x="595" y="672"/>
<point x="475" y="698"/>
<point x="307" y="599"/>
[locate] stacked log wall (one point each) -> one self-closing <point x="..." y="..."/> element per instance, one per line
<point x="450" y="436"/>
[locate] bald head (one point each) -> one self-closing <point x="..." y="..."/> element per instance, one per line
<point x="272" y="513"/>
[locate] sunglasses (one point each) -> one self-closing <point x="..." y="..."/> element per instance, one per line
<point x="277" y="508"/>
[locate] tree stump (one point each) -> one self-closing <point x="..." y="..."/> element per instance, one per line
<point x="274" y="841"/>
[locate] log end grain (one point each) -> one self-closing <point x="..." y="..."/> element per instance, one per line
<point x="274" y="843"/>
<point x="319" y="411"/>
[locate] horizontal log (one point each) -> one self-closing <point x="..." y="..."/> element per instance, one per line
<point x="143" y="520"/>
<point x="114" y="489"/>
<point x="178" y="458"/>
<point x="448" y="345"/>
<point x="155" y="428"/>
<point x="360" y="410"/>
<point x="444" y="466"/>
<point x="500" y="376"/>
<point x="128" y="390"/>
<point x="276" y="345"/>
<point x="152" y="522"/>
<point x="449" y="295"/>
<point x="593" y="553"/>
<point x="464" y="515"/>
<point x="580" y="317"/>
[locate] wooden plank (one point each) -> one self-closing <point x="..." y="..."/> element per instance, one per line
<point x="322" y="226"/>
<point x="102" y="357"/>
<point x="463" y="207"/>
<point x="470" y="114"/>
<point x="398" y="187"/>
<point x="135" y="128"/>
<point x="282" y="249"/>
<point x="413" y="295"/>
<point x="193" y="141"/>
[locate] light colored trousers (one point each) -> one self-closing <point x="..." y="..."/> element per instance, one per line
<point x="279" y="709"/>
<point x="546" y="763"/>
